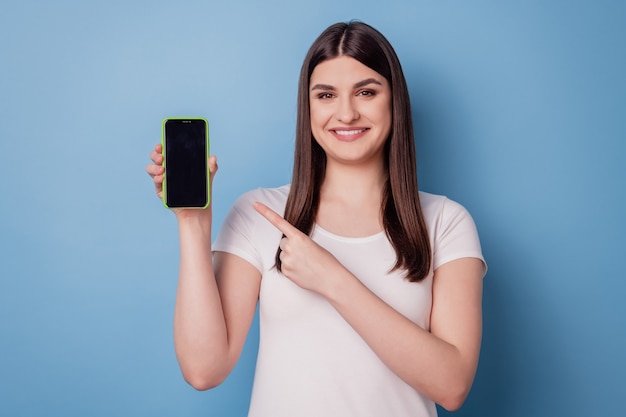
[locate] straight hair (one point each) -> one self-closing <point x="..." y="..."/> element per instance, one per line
<point x="401" y="211"/>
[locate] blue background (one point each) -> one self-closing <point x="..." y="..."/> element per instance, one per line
<point x="520" y="111"/>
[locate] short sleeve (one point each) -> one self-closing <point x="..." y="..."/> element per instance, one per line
<point x="249" y="235"/>
<point x="236" y="236"/>
<point x="456" y="235"/>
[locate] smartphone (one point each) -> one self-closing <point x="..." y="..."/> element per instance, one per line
<point x="185" y="159"/>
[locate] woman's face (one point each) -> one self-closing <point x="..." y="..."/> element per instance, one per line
<point x="350" y="110"/>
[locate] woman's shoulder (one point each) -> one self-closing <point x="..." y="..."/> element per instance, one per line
<point x="432" y="202"/>
<point x="275" y="197"/>
<point x="435" y="206"/>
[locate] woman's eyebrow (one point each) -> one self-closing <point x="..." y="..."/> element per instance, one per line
<point x="366" y="82"/>
<point x="360" y="84"/>
<point x="322" y="87"/>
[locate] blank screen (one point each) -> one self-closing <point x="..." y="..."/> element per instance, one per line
<point x="186" y="163"/>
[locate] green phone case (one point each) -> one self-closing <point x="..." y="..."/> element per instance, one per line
<point x="206" y="159"/>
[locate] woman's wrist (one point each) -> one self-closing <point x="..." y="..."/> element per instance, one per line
<point x="337" y="284"/>
<point x="192" y="221"/>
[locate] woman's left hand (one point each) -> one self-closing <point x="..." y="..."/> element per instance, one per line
<point x="303" y="261"/>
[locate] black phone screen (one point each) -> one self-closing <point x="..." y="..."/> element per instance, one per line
<point x="186" y="166"/>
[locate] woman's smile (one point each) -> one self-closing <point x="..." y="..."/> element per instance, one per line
<point x="349" y="135"/>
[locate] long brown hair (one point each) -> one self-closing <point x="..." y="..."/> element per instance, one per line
<point x="401" y="210"/>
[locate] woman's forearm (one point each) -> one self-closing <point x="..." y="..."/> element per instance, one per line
<point x="439" y="366"/>
<point x="200" y="335"/>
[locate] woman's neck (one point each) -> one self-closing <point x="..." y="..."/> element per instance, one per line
<point x="351" y="200"/>
<point x="354" y="182"/>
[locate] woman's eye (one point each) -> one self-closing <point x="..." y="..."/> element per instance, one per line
<point x="325" y="95"/>
<point x="367" y="93"/>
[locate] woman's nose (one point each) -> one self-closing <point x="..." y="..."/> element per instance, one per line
<point x="346" y="111"/>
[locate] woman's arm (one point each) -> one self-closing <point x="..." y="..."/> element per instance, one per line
<point x="441" y="363"/>
<point x="216" y="297"/>
<point x="215" y="305"/>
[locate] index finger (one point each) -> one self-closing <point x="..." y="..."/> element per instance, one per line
<point x="276" y="219"/>
<point x="156" y="155"/>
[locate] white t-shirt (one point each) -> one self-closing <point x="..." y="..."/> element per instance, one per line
<point x="310" y="361"/>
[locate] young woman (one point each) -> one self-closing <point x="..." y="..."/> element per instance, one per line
<point x="369" y="290"/>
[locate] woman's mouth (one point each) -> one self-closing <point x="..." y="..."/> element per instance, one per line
<point x="349" y="135"/>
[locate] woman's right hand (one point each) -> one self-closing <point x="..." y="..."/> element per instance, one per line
<point x="156" y="172"/>
<point x="156" y="169"/>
